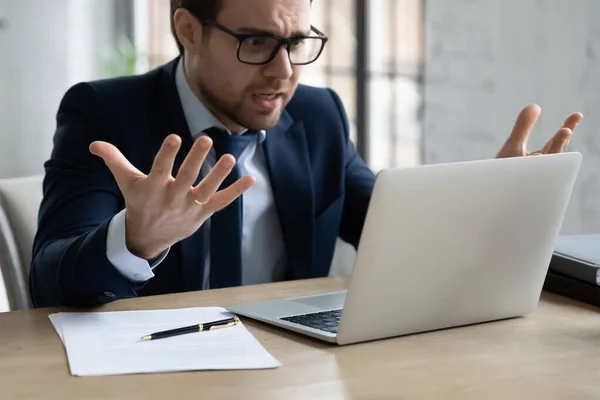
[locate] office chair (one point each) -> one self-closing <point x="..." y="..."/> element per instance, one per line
<point x="20" y="200"/>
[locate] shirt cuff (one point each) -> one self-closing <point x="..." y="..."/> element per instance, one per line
<point x="134" y="268"/>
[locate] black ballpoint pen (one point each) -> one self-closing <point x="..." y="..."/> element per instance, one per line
<point x="207" y="326"/>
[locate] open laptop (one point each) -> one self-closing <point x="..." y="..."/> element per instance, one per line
<point x="443" y="246"/>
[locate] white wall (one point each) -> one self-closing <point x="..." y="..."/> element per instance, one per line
<point x="487" y="59"/>
<point x="45" y="47"/>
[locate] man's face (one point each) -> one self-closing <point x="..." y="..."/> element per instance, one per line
<point x="241" y="95"/>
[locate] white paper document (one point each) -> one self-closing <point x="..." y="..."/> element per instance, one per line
<point x="109" y="343"/>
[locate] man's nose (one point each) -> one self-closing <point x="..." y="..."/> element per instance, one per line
<point x="280" y="67"/>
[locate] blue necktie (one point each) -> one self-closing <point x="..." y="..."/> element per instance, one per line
<point x="226" y="224"/>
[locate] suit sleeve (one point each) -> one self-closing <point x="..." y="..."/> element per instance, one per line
<point x="70" y="265"/>
<point x="358" y="184"/>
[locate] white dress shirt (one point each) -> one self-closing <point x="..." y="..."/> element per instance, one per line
<point x="263" y="251"/>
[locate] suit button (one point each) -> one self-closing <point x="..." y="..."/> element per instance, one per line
<point x="110" y="295"/>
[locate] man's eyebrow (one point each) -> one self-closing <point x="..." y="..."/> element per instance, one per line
<point x="260" y="32"/>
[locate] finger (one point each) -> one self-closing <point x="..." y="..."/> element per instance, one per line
<point x="224" y="197"/>
<point x="546" y="147"/>
<point x="517" y="141"/>
<point x="572" y="121"/>
<point x="123" y="171"/>
<point x="210" y="184"/>
<point x="162" y="166"/>
<point x="560" y="141"/>
<point x="190" y="168"/>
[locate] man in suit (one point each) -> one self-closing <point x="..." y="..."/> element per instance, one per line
<point x="143" y="190"/>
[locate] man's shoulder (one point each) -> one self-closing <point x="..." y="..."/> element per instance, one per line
<point x="311" y="99"/>
<point x="317" y="106"/>
<point x="115" y="92"/>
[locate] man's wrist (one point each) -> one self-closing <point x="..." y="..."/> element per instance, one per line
<point x="147" y="253"/>
<point x="144" y="248"/>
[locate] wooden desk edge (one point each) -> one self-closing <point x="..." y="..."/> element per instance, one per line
<point x="236" y="295"/>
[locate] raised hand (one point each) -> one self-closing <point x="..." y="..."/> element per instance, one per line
<point x="516" y="145"/>
<point x="161" y="209"/>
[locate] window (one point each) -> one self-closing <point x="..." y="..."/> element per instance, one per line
<point x="153" y="38"/>
<point x="394" y="80"/>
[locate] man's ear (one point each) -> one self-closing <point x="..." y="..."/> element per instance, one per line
<point x="188" y="29"/>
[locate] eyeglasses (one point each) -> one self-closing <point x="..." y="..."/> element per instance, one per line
<point x="261" y="49"/>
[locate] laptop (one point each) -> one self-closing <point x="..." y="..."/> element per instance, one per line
<point x="443" y="246"/>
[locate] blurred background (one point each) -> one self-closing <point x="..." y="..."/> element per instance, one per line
<point x="422" y="81"/>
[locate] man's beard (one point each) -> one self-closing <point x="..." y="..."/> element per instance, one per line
<point x="233" y="111"/>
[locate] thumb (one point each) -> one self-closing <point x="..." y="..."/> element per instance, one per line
<point x="123" y="171"/>
<point x="517" y="141"/>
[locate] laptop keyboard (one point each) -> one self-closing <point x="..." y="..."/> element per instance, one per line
<point x="327" y="321"/>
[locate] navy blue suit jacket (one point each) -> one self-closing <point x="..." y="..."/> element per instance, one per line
<point x="320" y="184"/>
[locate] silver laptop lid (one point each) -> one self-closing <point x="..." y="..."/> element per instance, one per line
<point x="454" y="244"/>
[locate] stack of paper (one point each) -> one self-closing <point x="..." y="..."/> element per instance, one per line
<point x="109" y="343"/>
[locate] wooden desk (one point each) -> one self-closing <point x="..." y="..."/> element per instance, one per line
<point x="552" y="354"/>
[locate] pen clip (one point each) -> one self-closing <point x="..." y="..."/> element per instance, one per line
<point x="212" y="328"/>
<point x="235" y="321"/>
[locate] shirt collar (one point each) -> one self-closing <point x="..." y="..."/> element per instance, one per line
<point x="198" y="117"/>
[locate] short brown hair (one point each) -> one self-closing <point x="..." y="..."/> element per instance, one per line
<point x="201" y="9"/>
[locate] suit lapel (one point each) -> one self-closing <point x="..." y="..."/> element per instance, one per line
<point x="287" y="153"/>
<point x="167" y="117"/>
